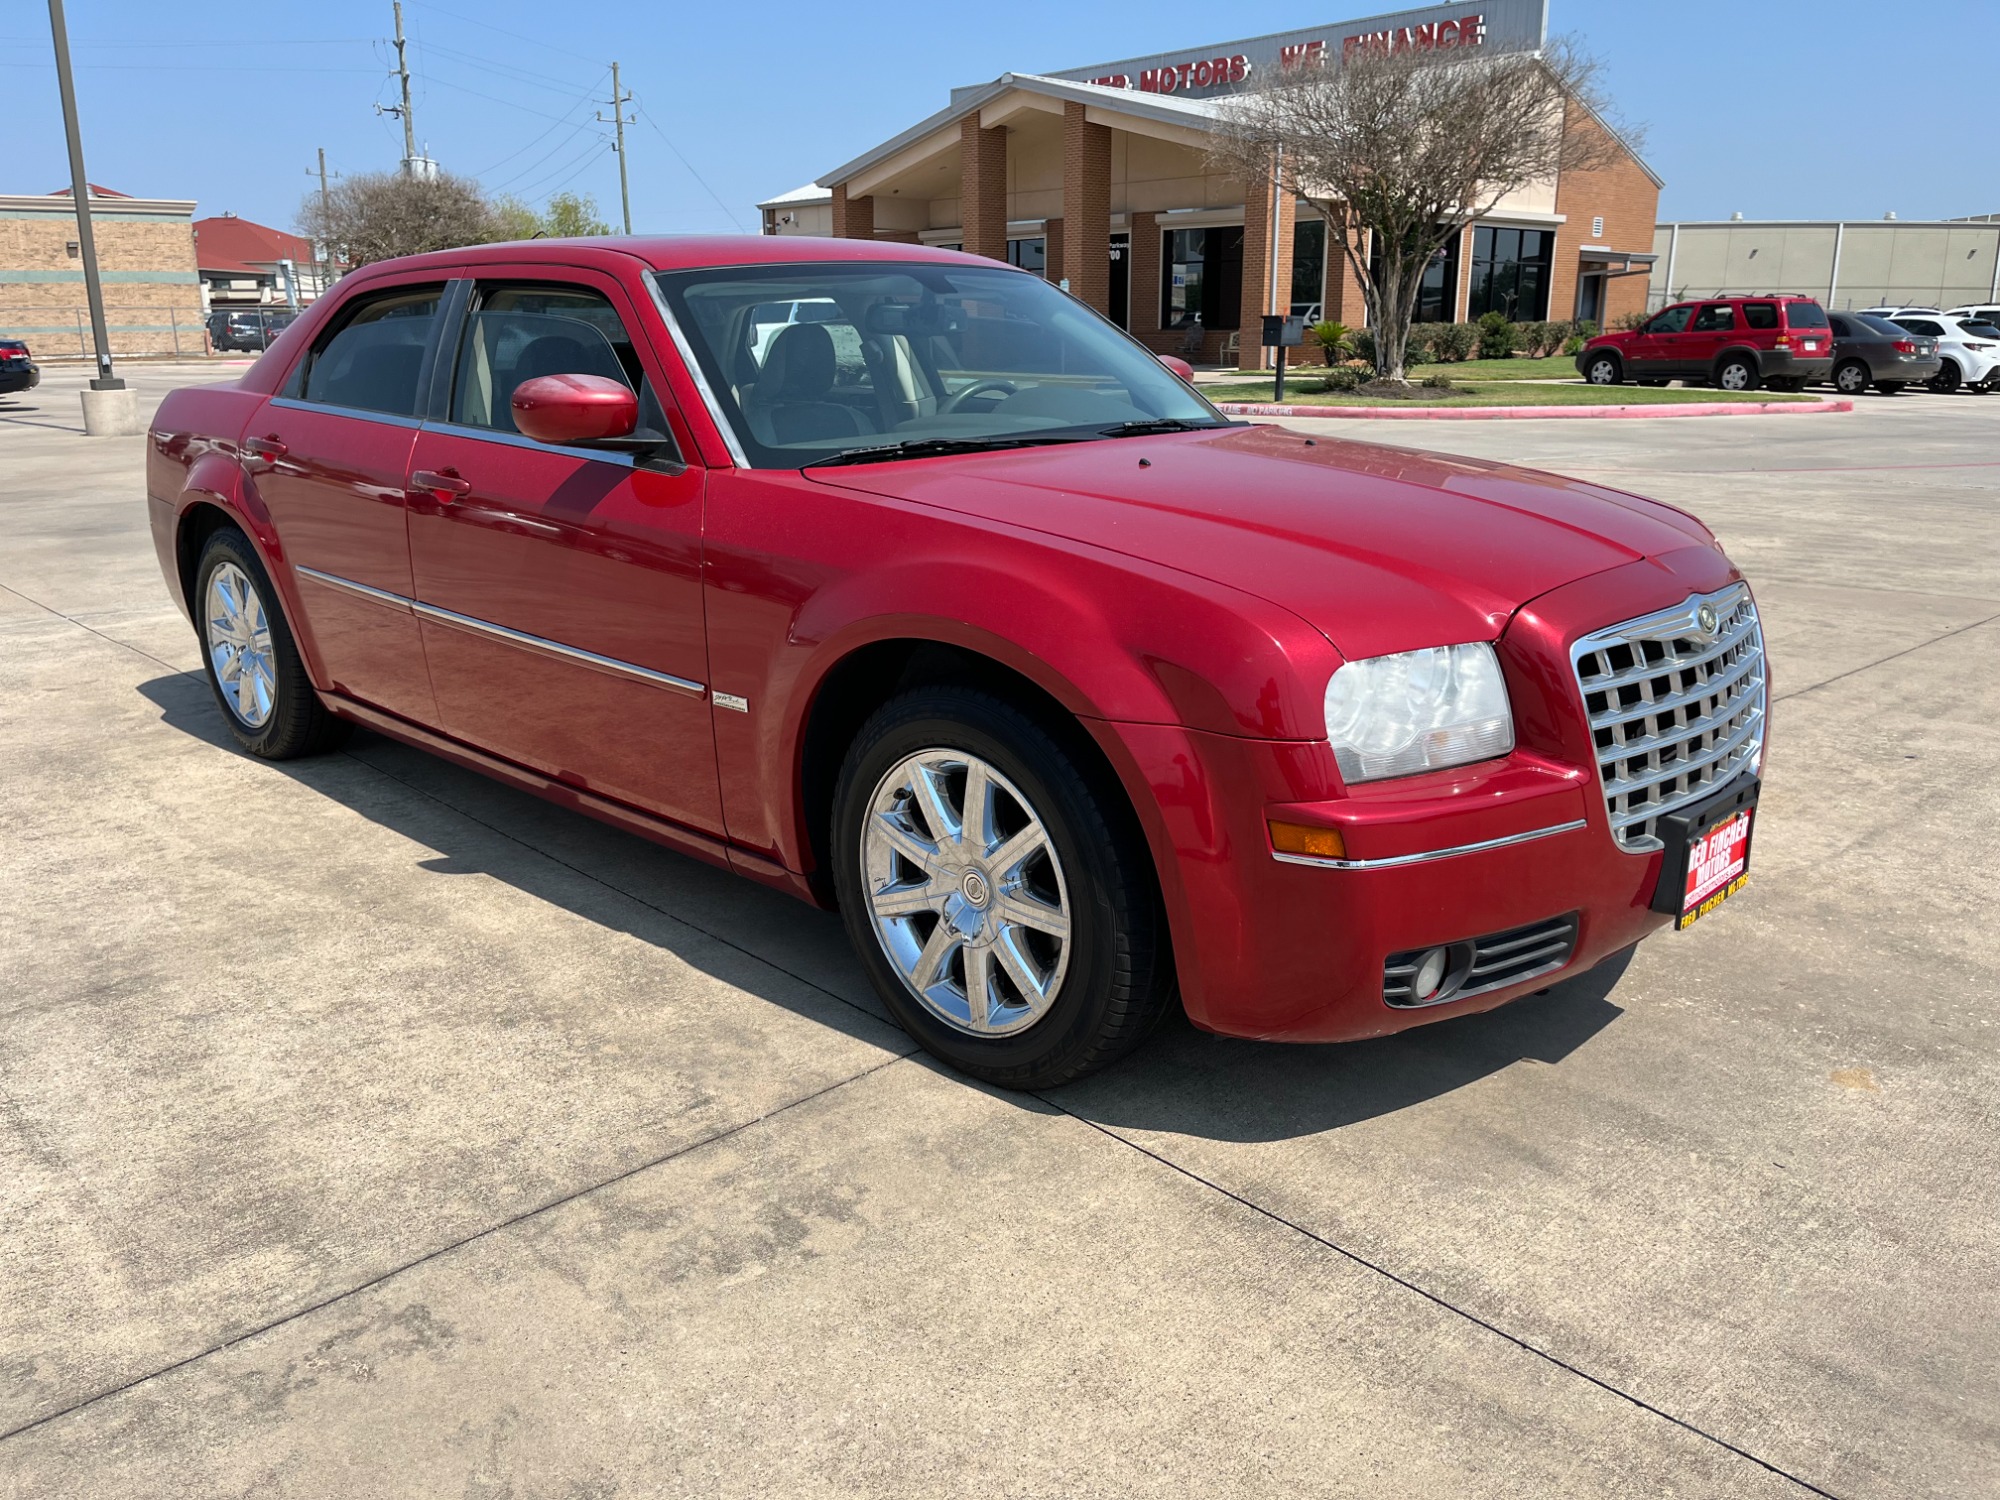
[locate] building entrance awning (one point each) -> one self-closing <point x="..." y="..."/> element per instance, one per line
<point x="1598" y="261"/>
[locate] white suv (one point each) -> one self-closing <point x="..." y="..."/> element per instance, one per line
<point x="1968" y="351"/>
<point x="1981" y="313"/>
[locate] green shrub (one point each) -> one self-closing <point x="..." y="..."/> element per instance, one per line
<point x="1417" y="352"/>
<point x="1336" y="378"/>
<point x="1452" y="342"/>
<point x="1573" y="345"/>
<point x="1584" y="328"/>
<point x="1334" y="339"/>
<point x="1630" y="321"/>
<point x="1497" y="337"/>
<point x="1438" y="382"/>
<point x="1362" y="342"/>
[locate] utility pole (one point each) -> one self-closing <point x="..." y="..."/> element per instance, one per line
<point x="79" y="187"/>
<point x="326" y="228"/>
<point x="619" y="99"/>
<point x="403" y="70"/>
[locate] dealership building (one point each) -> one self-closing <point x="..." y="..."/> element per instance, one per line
<point x="1099" y="177"/>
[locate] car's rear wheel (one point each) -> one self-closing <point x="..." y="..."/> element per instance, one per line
<point x="1946" y="380"/>
<point x="1890" y="387"/>
<point x="1001" y="899"/>
<point x="1736" y="373"/>
<point x="251" y="660"/>
<point x="1850" y="377"/>
<point x="1604" y="369"/>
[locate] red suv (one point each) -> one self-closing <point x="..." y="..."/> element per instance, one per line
<point x="904" y="582"/>
<point x="1737" y="343"/>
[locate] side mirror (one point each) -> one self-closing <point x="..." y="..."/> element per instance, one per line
<point x="575" y="410"/>
<point x="1179" y="366"/>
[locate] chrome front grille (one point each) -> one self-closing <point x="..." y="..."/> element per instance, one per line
<point x="1676" y="710"/>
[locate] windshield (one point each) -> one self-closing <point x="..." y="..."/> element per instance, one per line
<point x="811" y="362"/>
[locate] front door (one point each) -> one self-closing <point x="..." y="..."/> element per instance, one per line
<point x="329" y="458"/>
<point x="559" y="588"/>
<point x="1655" y="352"/>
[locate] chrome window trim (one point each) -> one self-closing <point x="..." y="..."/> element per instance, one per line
<point x="693" y="367"/>
<point x="557" y="649"/>
<point x="388" y="418"/>
<point x="1392" y="860"/>
<point x="502" y="633"/>
<point x="348" y="585"/>
<point x="516" y="440"/>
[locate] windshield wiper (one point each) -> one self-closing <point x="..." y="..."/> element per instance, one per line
<point x="1158" y="424"/>
<point x="926" y="447"/>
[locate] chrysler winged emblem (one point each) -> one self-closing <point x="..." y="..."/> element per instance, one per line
<point x="1706" y="620"/>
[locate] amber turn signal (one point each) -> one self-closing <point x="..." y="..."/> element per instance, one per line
<point x="1303" y="838"/>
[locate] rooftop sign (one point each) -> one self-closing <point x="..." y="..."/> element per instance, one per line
<point x="1489" y="25"/>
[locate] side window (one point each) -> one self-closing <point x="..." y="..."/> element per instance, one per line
<point x="1923" y="326"/>
<point x="1760" y="314"/>
<point x="1673" y="320"/>
<point x="1717" y="317"/>
<point x="517" y="333"/>
<point x="374" y="357"/>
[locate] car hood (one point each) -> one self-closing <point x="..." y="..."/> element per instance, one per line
<point x="1383" y="549"/>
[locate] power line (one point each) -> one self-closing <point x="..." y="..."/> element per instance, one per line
<point x="506" y="72"/>
<point x="546" y="157"/>
<point x="728" y="212"/>
<point x="541" y="44"/>
<point x="588" y="98"/>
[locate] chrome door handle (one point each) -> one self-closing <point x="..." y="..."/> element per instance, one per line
<point x="264" y="447"/>
<point x="444" y="484"/>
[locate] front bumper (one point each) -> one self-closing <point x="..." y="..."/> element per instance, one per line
<point x="1279" y="949"/>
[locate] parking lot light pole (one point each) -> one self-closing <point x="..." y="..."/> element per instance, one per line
<point x="93" y="286"/>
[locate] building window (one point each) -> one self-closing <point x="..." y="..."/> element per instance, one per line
<point x="1437" y="293"/>
<point x="1029" y="255"/>
<point x="1510" y="273"/>
<point x="1308" y="268"/>
<point x="1201" y="273"/>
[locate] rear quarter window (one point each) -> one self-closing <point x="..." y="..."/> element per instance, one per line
<point x="1760" y="314"/>
<point x="1805" y="315"/>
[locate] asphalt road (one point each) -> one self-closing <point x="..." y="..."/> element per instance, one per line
<point x="367" y="1129"/>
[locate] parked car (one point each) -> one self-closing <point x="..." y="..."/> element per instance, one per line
<point x="1874" y="351"/>
<point x="1076" y="698"/>
<point x="1737" y="343"/>
<point x="18" y="370"/>
<point x="1968" y="352"/>
<point x="1985" y="312"/>
<point x="1896" y="311"/>
<point x="253" y="329"/>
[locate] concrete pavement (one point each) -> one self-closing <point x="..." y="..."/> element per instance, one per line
<point x="369" y="1129"/>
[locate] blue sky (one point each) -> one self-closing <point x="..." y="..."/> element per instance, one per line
<point x="1777" y="108"/>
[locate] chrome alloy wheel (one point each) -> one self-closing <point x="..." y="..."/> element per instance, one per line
<point x="239" y="645"/>
<point x="965" y="893"/>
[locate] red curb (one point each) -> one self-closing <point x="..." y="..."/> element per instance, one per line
<point x="1535" y="413"/>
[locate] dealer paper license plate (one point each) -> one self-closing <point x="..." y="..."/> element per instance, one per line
<point x="1717" y="865"/>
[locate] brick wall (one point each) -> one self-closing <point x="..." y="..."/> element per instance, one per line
<point x="983" y="188"/>
<point x="1087" y="207"/>
<point x="853" y="218"/>
<point x="152" y="291"/>
<point x="1052" y="260"/>
<point x="1259" y="253"/>
<point x="1629" y="203"/>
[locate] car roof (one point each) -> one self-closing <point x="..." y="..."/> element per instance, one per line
<point x="684" y="252"/>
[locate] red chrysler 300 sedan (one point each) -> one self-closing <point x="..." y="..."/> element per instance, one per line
<point x="900" y="580"/>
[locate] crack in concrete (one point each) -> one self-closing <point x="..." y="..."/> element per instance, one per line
<point x="1892" y="656"/>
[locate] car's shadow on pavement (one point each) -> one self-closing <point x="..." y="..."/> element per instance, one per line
<point x="1183" y="1080"/>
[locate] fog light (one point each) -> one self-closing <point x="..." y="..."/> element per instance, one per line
<point x="1429" y="978"/>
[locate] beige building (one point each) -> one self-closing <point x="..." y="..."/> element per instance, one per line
<point x="1100" y="178"/>
<point x="145" y="254"/>
<point x="1846" y="265"/>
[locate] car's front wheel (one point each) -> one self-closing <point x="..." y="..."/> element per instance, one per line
<point x="1604" y="369"/>
<point x="250" y="657"/>
<point x="1851" y="378"/>
<point x="999" y="894"/>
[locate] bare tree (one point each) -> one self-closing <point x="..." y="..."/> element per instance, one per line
<point x="1401" y="150"/>
<point x="381" y="214"/>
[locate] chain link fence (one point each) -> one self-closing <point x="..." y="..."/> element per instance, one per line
<point x="64" y="332"/>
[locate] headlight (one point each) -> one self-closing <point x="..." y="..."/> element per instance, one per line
<point x="1418" y="711"/>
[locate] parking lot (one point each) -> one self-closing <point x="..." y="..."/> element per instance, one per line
<point x="369" y="1129"/>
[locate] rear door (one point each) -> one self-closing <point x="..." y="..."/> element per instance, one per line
<point x="1713" y="328"/>
<point x="560" y="588"/>
<point x="329" y="458"/>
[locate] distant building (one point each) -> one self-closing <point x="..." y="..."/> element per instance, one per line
<point x="1846" y="264"/>
<point x="245" y="264"/>
<point x="145" y="251"/>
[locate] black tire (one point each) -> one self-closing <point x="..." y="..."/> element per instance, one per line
<point x="1603" y="367"/>
<point x="1850" y="377"/>
<point x="1737" y="372"/>
<point x="1119" y="978"/>
<point x="1946" y="380"/>
<point x="297" y="722"/>
<point x="1890" y="387"/>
